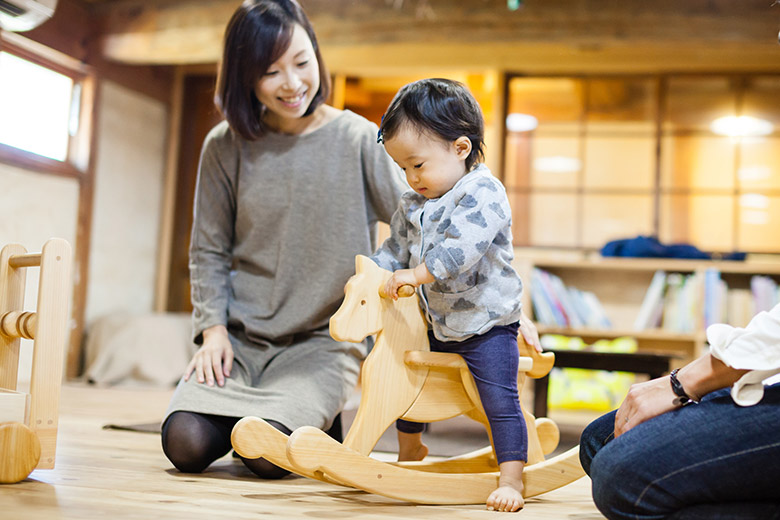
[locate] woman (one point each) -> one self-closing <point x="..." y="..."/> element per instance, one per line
<point x="683" y="446"/>
<point x="289" y="191"/>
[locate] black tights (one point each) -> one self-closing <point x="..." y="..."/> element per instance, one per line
<point x="192" y="441"/>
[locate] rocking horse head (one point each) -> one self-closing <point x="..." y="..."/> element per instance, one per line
<point x="361" y="313"/>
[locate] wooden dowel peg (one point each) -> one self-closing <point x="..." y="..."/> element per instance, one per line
<point x="404" y="291"/>
<point x="16" y="324"/>
<point x="26" y="260"/>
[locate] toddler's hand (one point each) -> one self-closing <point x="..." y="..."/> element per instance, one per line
<point x="529" y="332"/>
<point x="399" y="278"/>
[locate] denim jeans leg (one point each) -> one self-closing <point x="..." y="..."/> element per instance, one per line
<point x="675" y="465"/>
<point x="409" y="426"/>
<point x="492" y="359"/>
<point x="594" y="437"/>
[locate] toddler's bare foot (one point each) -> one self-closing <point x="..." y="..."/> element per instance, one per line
<point x="411" y="447"/>
<point x="413" y="453"/>
<point x="506" y="499"/>
<point x="508" y="496"/>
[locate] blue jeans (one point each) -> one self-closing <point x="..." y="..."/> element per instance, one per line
<point x="492" y="359"/>
<point x="715" y="460"/>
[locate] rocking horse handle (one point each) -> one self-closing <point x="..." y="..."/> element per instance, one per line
<point x="404" y="291"/>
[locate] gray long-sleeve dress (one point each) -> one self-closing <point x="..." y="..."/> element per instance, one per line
<point x="277" y="224"/>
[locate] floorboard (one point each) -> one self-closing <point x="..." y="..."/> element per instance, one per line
<point x="111" y="474"/>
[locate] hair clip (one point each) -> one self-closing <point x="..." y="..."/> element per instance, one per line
<point x="379" y="137"/>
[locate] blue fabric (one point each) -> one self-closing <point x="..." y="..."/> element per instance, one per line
<point x="715" y="460"/>
<point x="650" y="247"/>
<point x="492" y="359"/>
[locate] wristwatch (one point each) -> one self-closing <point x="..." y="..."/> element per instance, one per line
<point x="682" y="399"/>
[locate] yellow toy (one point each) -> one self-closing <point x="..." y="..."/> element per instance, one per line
<point x="402" y="378"/>
<point x="28" y="422"/>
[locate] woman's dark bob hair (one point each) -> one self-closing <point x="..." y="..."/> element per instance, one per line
<point x="440" y="108"/>
<point x="256" y="36"/>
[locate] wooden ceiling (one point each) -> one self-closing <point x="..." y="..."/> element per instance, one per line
<point x="403" y="35"/>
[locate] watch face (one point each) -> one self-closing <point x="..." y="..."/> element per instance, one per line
<point x="681" y="400"/>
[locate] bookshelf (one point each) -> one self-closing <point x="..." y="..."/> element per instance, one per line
<point x="620" y="284"/>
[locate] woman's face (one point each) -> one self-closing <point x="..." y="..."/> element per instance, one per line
<point x="291" y="82"/>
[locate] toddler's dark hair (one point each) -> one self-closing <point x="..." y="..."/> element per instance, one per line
<point x="441" y="107"/>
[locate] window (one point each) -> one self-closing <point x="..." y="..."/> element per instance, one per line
<point x="686" y="158"/>
<point x="42" y="110"/>
<point x="35" y="108"/>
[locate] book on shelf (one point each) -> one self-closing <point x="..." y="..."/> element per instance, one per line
<point x="649" y="315"/>
<point x="563" y="297"/>
<point x="677" y="302"/>
<point x="597" y="316"/>
<point x="739" y="307"/>
<point x="557" y="305"/>
<point x="680" y="302"/>
<point x="543" y="313"/>
<point x="672" y="302"/>
<point x="715" y="298"/>
<point x="765" y="293"/>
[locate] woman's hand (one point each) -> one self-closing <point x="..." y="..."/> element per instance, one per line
<point x="529" y="332"/>
<point x="644" y="401"/>
<point x="214" y="359"/>
<point x="698" y="378"/>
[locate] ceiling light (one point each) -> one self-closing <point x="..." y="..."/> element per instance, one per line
<point x="754" y="200"/>
<point x="754" y="173"/>
<point x="557" y="164"/>
<point x="521" y="122"/>
<point x="741" y="126"/>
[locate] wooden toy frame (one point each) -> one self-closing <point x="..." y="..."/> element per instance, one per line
<point x="28" y="421"/>
<point x="401" y="378"/>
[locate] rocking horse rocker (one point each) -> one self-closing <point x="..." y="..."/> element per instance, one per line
<point x="402" y="378"/>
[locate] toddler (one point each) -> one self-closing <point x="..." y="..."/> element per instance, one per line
<point x="451" y="237"/>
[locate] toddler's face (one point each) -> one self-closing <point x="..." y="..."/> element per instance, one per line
<point x="432" y="165"/>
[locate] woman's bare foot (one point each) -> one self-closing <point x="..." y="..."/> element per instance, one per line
<point x="411" y="447"/>
<point x="508" y="496"/>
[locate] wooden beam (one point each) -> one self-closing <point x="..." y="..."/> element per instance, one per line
<point x="74" y="30"/>
<point x="669" y="33"/>
<point x="89" y="117"/>
<point x="545" y="58"/>
<point x="173" y="33"/>
<point x="165" y="240"/>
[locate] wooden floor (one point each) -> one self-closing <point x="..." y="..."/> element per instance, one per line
<point x="109" y="474"/>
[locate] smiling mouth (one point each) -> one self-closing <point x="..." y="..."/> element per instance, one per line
<point x="293" y="101"/>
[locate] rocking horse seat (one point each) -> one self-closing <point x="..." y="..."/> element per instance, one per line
<point x="427" y="359"/>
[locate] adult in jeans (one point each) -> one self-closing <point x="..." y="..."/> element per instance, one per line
<point x="685" y="447"/>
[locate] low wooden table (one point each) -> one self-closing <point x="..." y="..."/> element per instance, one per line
<point x="653" y="364"/>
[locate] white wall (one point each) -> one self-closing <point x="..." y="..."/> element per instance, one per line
<point x="33" y="208"/>
<point x="130" y="165"/>
<point x="126" y="213"/>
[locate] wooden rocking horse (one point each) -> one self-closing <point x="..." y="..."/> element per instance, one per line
<point x="402" y="378"/>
